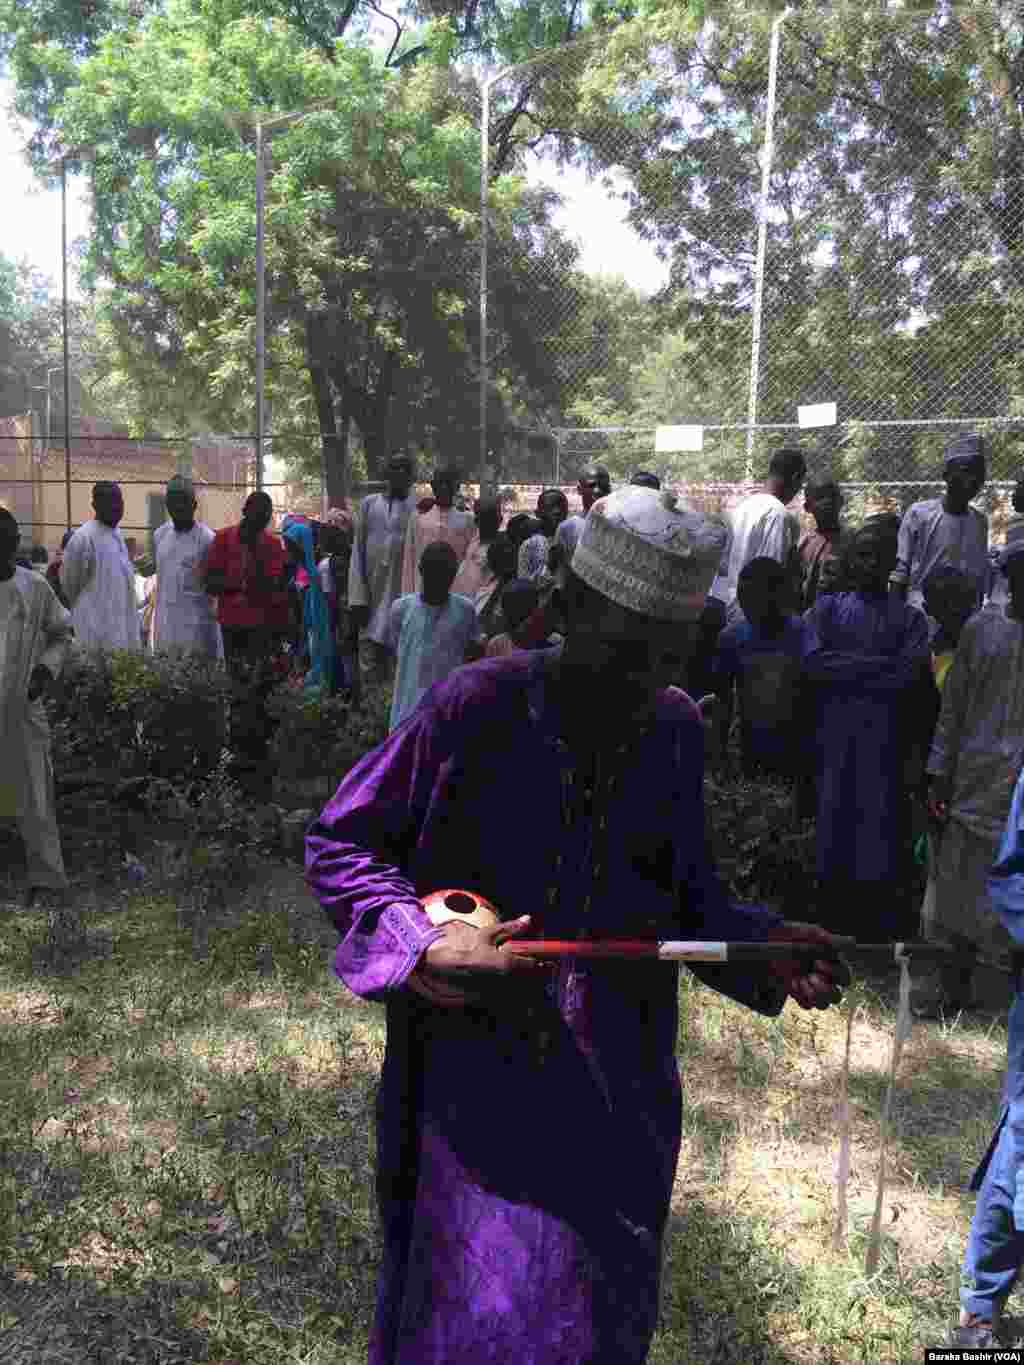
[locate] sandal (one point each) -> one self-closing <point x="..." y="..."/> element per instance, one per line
<point x="976" y="1334"/>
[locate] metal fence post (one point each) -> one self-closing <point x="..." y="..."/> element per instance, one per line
<point x="485" y="156"/>
<point x="64" y="331"/>
<point x="762" y="237"/>
<point x="485" y="162"/>
<point x="260" y="305"/>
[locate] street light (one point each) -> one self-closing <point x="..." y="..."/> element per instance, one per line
<point x="237" y="121"/>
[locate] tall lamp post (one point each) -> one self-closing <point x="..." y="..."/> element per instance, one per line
<point x="238" y="121"/>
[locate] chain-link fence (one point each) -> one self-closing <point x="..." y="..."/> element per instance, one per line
<point x="837" y="201"/>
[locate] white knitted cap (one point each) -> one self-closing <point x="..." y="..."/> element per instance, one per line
<point x="650" y="552"/>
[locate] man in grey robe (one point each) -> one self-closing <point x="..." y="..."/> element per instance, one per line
<point x="375" y="569"/>
<point x="34" y="634"/>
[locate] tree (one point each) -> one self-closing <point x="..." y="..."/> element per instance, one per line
<point x="30" y="338"/>
<point x="894" y="240"/>
<point x="372" y="231"/>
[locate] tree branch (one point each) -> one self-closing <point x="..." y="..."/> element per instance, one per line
<point x="507" y="127"/>
<point x="895" y="116"/>
<point x="398" y="36"/>
<point x="345" y="18"/>
<point x="316" y="39"/>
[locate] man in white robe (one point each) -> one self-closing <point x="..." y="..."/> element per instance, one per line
<point x="947" y="530"/>
<point x="763" y="527"/>
<point x="375" y="569"/>
<point x="98" y="578"/>
<point x="185" y="615"/>
<point x="34" y="634"/>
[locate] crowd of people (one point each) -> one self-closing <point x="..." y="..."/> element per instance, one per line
<point x="874" y="670"/>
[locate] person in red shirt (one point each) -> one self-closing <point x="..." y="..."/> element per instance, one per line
<point x="246" y="570"/>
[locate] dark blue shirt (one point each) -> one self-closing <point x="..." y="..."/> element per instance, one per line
<point x="765" y="669"/>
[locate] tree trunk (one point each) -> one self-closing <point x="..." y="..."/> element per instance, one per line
<point x="334" y="426"/>
<point x="336" y="463"/>
<point x="371" y="411"/>
<point x="377" y="447"/>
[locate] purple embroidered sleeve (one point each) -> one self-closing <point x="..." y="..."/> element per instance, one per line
<point x="354" y="857"/>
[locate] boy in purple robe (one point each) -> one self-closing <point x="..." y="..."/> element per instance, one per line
<point x="760" y="658"/>
<point x="867" y="665"/>
<point x="527" y="1139"/>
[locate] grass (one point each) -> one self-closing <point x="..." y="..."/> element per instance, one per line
<point x="186" y="1159"/>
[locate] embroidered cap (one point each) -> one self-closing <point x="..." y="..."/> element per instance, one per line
<point x="650" y="552"/>
<point x="967" y="449"/>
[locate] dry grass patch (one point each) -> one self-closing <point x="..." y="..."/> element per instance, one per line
<point x="187" y="1159"/>
<point x="186" y="1162"/>
<point x="759" y="1156"/>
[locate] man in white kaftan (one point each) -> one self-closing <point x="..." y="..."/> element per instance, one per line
<point x="185" y="617"/>
<point x="34" y="634"/>
<point x="947" y="530"/>
<point x="444" y="521"/>
<point x="762" y="526"/>
<point x="375" y="569"/>
<point x="98" y="578"/>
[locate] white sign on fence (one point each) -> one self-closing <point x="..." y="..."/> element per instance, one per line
<point x="670" y="439"/>
<point x="817" y="415"/>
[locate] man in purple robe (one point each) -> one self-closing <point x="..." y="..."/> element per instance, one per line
<point x="528" y="1138"/>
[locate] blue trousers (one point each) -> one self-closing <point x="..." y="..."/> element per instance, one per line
<point x="995" y="1247"/>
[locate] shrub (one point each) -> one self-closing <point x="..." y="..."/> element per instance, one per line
<point x="325" y="736"/>
<point x="133" y="714"/>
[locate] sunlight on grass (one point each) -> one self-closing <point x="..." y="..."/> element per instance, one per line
<point x="182" y="1131"/>
<point x="188" y="1149"/>
<point x="764" y="1092"/>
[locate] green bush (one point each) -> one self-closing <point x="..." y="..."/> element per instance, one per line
<point x="325" y="736"/>
<point x="133" y="714"/>
<point x="164" y="717"/>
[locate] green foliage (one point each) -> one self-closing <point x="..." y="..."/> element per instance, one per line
<point x="126" y="714"/>
<point x="371" y="230"/>
<point x="894" y="236"/>
<point x="323" y="735"/>
<point x="8" y="290"/>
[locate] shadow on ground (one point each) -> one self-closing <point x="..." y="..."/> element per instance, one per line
<point x="719" y="1283"/>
